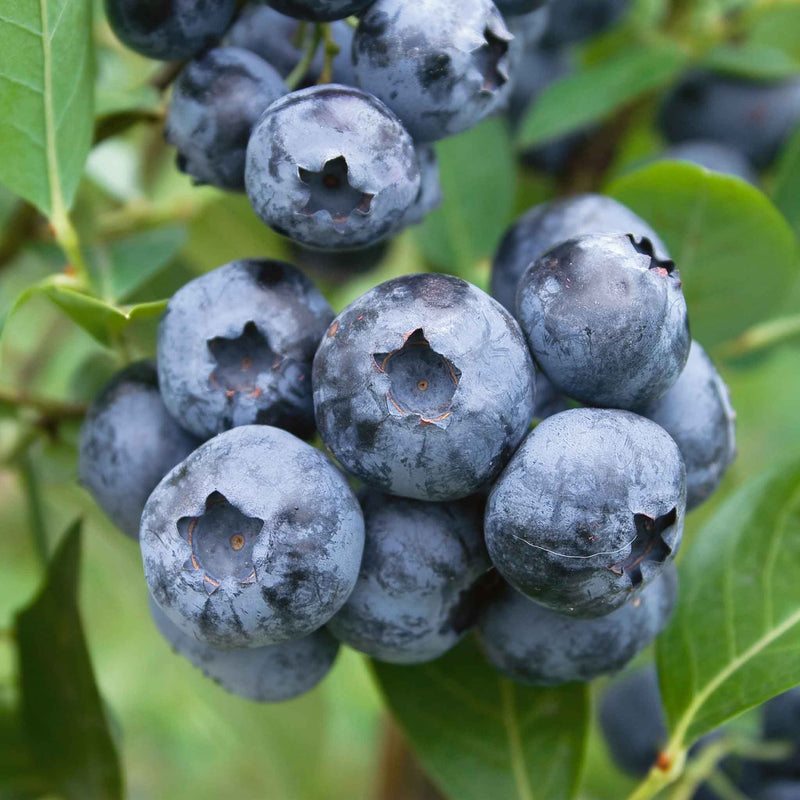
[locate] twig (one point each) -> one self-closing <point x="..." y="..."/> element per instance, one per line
<point x="331" y="50"/>
<point x="295" y="77"/>
<point x="52" y="410"/>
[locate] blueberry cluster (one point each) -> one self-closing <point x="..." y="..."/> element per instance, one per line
<point x="634" y="727"/>
<point x="324" y="111"/>
<point x="437" y="510"/>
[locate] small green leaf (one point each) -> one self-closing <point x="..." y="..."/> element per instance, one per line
<point x="137" y="258"/>
<point x="481" y="736"/>
<point x="20" y="779"/>
<point x="46" y="96"/>
<point x="734" y="641"/>
<point x="62" y="712"/>
<point x="786" y="190"/>
<point x="594" y="93"/>
<point x="724" y="235"/>
<point x="752" y="60"/>
<point x="479" y="181"/>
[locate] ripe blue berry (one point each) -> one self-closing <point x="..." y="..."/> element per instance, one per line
<point x="423" y="387"/>
<point x="254" y="539"/>
<point x="440" y="66"/>
<point x="235" y="347"/>
<point x="606" y="320"/>
<point x="589" y="510"/>
<point x="331" y="167"/>
<point x="217" y="100"/>
<point x="128" y="443"/>
<point x="319" y="10"/>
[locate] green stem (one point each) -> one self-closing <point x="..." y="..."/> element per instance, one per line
<point x="724" y="788"/>
<point x="763" y="336"/>
<point x="51" y="410"/>
<point x="68" y="240"/>
<point x="659" y="777"/>
<point x="295" y="77"/>
<point x="331" y="50"/>
<point x="30" y="483"/>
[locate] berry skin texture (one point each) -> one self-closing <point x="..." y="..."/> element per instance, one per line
<point x="319" y="10"/>
<point x="589" y="510"/>
<point x="606" y="320"/>
<point x="632" y="721"/>
<point x="254" y="539"/>
<point x="430" y="195"/>
<point x="273" y="37"/>
<point x="169" y="31"/>
<point x="697" y="413"/>
<point x="270" y="674"/>
<point x="235" y="347"/>
<point x="331" y="167"/>
<point x="715" y="157"/>
<point x="421" y="580"/>
<point x="440" y="66"/>
<point x="217" y="100"/>
<point x="514" y="8"/>
<point x="753" y="117"/>
<point x="423" y="387"/>
<point x="128" y="443"/>
<point x="548" y="224"/>
<point x="532" y="645"/>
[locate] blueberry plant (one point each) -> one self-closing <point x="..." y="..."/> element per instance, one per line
<point x="403" y="340"/>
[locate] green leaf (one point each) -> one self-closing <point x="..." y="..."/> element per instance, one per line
<point x="480" y="736"/>
<point x="479" y="181"/>
<point x="734" y="641"/>
<point x="724" y="235"/>
<point x="137" y="258"/>
<point x="777" y="26"/>
<point x="101" y="320"/>
<point x="62" y="711"/>
<point x="786" y="190"/>
<point x="752" y="60"/>
<point x="46" y="96"/>
<point x="594" y="93"/>
<point x="19" y="777"/>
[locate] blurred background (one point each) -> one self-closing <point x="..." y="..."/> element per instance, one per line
<point x="179" y="735"/>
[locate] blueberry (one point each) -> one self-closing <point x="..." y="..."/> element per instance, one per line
<point x="514" y="8"/>
<point x="548" y="224"/>
<point x="531" y="644"/>
<point x="274" y="37"/>
<point x="438" y="65"/>
<point x="430" y="196"/>
<point x="331" y="167"/>
<point x="575" y="20"/>
<point x="633" y="723"/>
<point x="423" y="387"/>
<point x="269" y="674"/>
<point x="319" y="10"/>
<point x="235" y="347"/>
<point x="336" y="264"/>
<point x="713" y="156"/>
<point x="128" y="443"/>
<point x="697" y="413"/>
<point x="217" y="100"/>
<point x="424" y="574"/>
<point x="549" y="400"/>
<point x="606" y="319"/>
<point x="254" y="539"/>
<point x="753" y="117"/>
<point x="781" y="790"/>
<point x="589" y="510"/>
<point x="169" y="30"/>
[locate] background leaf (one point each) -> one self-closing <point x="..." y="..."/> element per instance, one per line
<point x="46" y="95"/>
<point x="480" y="735"/>
<point x="753" y="60"/>
<point x="786" y="190"/>
<point x="479" y="181"/>
<point x="734" y="641"/>
<point x="588" y="96"/>
<point x="62" y="711"/>
<point x="724" y="235"/>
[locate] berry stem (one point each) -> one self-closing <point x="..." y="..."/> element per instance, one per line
<point x="331" y="50"/>
<point x="295" y="77"/>
<point x="53" y="410"/>
<point x="762" y="337"/>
